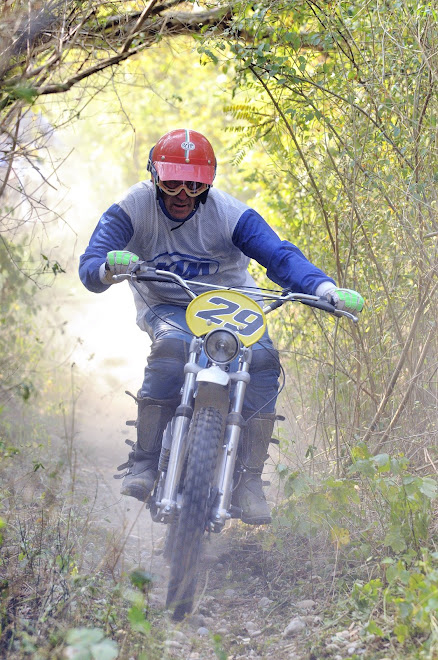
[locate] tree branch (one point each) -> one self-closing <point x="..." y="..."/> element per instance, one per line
<point x="46" y="39"/>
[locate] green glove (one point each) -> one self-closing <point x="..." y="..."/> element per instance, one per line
<point x="117" y="262"/>
<point x="346" y="300"/>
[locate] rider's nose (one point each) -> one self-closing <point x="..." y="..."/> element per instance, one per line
<point x="182" y="194"/>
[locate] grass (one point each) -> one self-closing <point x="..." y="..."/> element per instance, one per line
<point x="59" y="568"/>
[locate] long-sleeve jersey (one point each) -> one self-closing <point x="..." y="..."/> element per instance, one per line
<point x="214" y="245"/>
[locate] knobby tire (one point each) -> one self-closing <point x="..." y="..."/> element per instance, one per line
<point x="204" y="444"/>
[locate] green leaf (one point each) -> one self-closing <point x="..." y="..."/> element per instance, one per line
<point x="395" y="540"/>
<point x="210" y="55"/>
<point x="364" y="466"/>
<point x="432" y="605"/>
<point x="23" y="92"/>
<point x="391" y="573"/>
<point x="297" y="483"/>
<point x="140" y="578"/>
<point x="382" y="462"/>
<point x="360" y="451"/>
<point x="84" y="636"/>
<point x="137" y="619"/>
<point x="428" y="487"/>
<point x="373" y="629"/>
<point x="405" y="609"/>
<point x="282" y="470"/>
<point x="401" y="631"/>
<point x="79" y="653"/>
<point x="107" y="649"/>
<point x="293" y="39"/>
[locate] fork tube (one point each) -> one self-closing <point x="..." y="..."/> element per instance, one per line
<point x="231" y="444"/>
<point x="179" y="434"/>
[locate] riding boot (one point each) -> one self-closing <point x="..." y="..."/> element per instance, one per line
<point x="248" y="494"/>
<point x="142" y="465"/>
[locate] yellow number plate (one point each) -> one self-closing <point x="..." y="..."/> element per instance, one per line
<point x="226" y="309"/>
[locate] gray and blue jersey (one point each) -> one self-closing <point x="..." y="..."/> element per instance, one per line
<point x="214" y="245"/>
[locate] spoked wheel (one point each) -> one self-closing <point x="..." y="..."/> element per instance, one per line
<point x="204" y="443"/>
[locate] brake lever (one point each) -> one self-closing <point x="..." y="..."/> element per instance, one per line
<point x="326" y="306"/>
<point x="141" y="273"/>
<point x="138" y="267"/>
<point x="322" y="304"/>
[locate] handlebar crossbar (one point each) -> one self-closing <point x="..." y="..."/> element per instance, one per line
<point x="144" y="273"/>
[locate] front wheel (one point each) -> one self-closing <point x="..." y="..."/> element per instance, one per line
<point x="205" y="436"/>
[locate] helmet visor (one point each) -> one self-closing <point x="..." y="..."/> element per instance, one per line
<point x="184" y="171"/>
<point x="191" y="188"/>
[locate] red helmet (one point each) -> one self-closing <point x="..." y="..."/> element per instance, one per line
<point x="183" y="155"/>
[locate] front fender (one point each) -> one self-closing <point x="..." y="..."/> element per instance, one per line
<point x="213" y="374"/>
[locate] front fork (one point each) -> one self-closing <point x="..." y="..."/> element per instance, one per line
<point x="228" y="453"/>
<point x="165" y="505"/>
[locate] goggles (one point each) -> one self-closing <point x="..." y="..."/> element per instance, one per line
<point x="191" y="188"/>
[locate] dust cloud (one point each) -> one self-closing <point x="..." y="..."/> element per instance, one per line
<point x="104" y="349"/>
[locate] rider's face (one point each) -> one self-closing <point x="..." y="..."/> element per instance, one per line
<point x="179" y="206"/>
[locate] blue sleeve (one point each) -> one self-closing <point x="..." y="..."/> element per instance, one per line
<point x="113" y="232"/>
<point x="285" y="264"/>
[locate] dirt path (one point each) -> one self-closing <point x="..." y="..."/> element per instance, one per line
<point x="242" y="609"/>
<point x="101" y="431"/>
<point x="236" y="615"/>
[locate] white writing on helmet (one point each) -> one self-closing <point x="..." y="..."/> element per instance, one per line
<point x="187" y="146"/>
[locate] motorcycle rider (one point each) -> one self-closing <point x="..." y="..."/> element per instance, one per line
<point x="177" y="221"/>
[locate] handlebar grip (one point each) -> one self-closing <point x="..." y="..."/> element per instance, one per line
<point x="322" y="304"/>
<point x="145" y="273"/>
<point x="142" y="276"/>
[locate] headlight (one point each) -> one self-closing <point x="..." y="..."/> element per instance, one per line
<point x="221" y="346"/>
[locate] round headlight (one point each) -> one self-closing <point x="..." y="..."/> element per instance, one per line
<point x="221" y="346"/>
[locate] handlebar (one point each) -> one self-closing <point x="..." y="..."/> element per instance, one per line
<point x="311" y="301"/>
<point x="143" y="273"/>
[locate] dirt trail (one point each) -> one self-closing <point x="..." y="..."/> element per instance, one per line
<point x="236" y="603"/>
<point x="232" y="612"/>
<point x="101" y="431"/>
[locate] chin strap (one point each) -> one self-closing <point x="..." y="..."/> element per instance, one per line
<point x="180" y="225"/>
